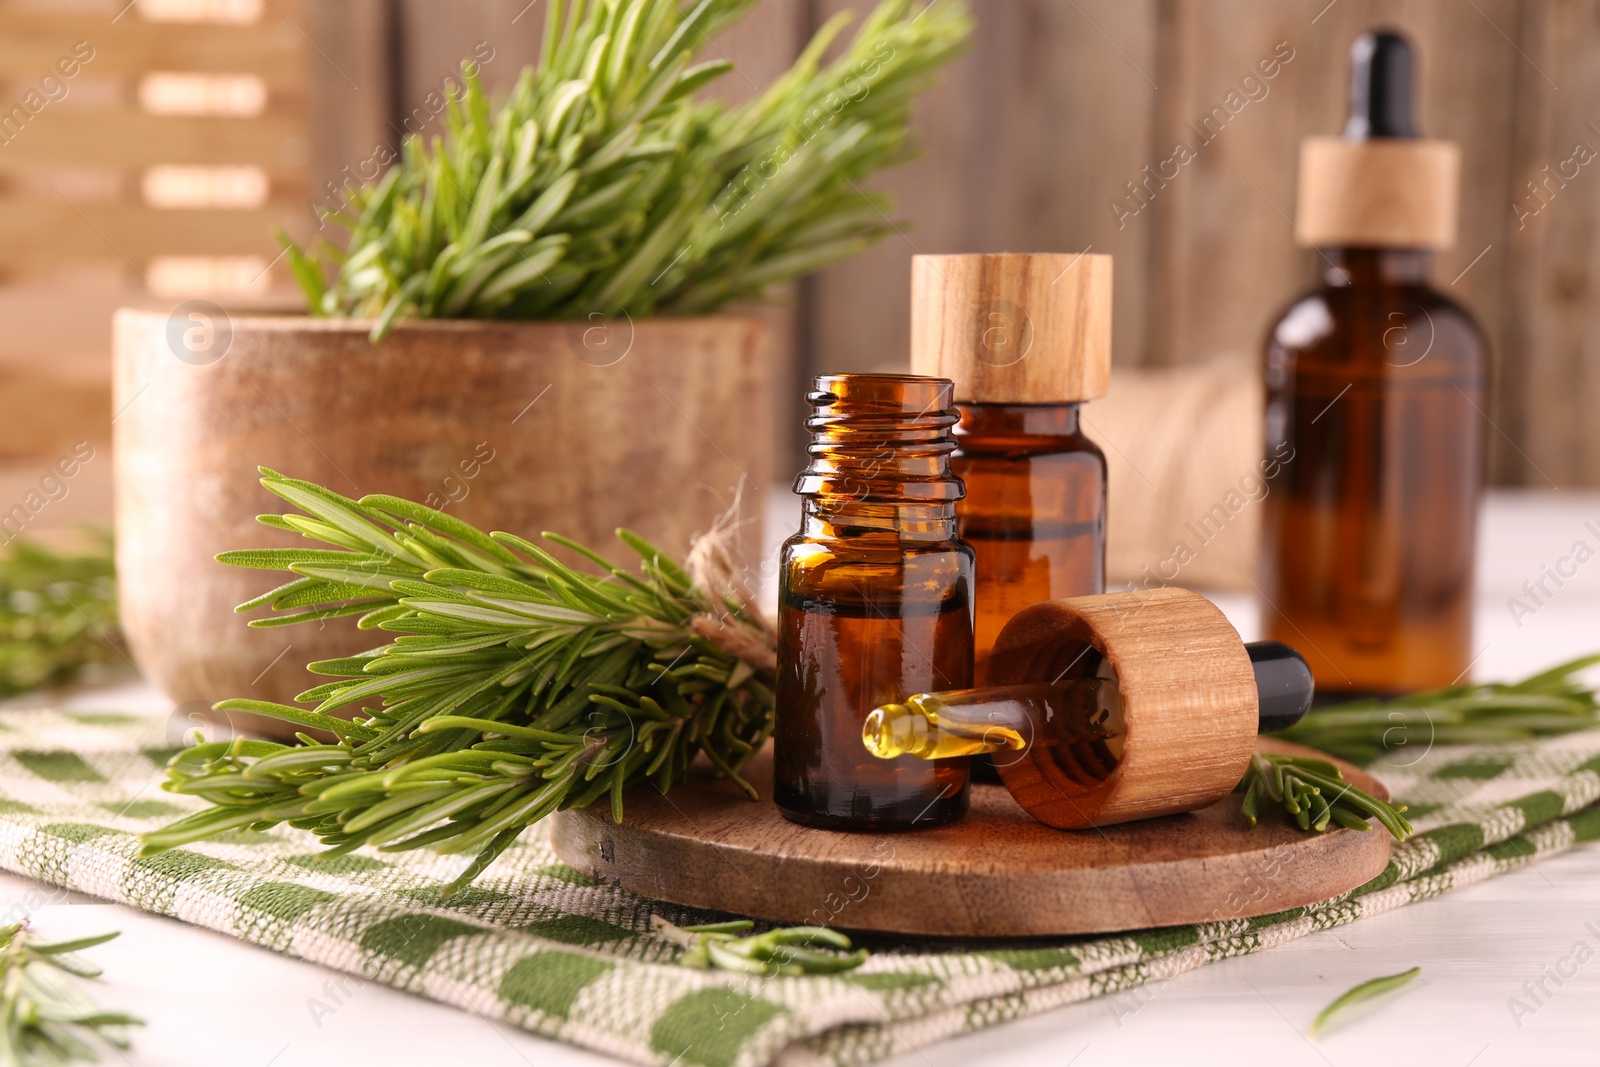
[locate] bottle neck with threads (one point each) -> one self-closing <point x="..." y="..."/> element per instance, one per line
<point x="874" y="602"/>
<point x="880" y="458"/>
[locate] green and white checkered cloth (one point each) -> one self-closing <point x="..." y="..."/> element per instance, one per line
<point x="543" y="947"/>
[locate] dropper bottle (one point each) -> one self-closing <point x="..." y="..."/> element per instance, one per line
<point x="1026" y="338"/>
<point x="1374" y="384"/>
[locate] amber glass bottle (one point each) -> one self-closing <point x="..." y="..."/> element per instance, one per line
<point x="875" y="603"/>
<point x="1374" y="396"/>
<point x="1025" y="338"/>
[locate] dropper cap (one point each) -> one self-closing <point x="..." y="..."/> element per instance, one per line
<point x="1190" y="705"/>
<point x="1011" y="717"/>
<point x="1012" y="328"/>
<point x="1379" y="184"/>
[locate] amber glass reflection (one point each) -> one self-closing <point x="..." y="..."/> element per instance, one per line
<point x="875" y="604"/>
<point x="1375" y="381"/>
<point x="1035" y="510"/>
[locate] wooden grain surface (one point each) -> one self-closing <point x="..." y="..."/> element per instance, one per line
<point x="76" y="237"/>
<point x="1014" y="329"/>
<point x="1382" y="192"/>
<point x="997" y="873"/>
<point x="1548" y="382"/>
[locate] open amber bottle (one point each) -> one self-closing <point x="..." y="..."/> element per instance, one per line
<point x="875" y="603"/>
<point x="1375" y="392"/>
<point x="1026" y="339"/>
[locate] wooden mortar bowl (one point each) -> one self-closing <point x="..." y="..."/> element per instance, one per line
<point x="592" y="425"/>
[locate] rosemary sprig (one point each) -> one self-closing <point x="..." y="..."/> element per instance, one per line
<point x="1315" y="794"/>
<point x="516" y="685"/>
<point x="58" y="615"/>
<point x="602" y="184"/>
<point x="45" y="1019"/>
<point x="1553" y="701"/>
<point x="788" y="951"/>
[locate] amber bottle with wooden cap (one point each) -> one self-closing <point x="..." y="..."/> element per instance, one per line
<point x="1026" y="339"/>
<point x="1117" y="707"/>
<point x="1375" y="389"/>
<point x="874" y="604"/>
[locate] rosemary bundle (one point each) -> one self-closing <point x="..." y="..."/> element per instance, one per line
<point x="603" y="185"/>
<point x="58" y="615"/>
<point x="516" y="686"/>
<point x="45" y="1019"/>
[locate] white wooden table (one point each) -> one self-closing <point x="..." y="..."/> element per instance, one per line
<point x="210" y="999"/>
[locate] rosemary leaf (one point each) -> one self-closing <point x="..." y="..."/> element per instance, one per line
<point x="787" y="951"/>
<point x="1365" y="991"/>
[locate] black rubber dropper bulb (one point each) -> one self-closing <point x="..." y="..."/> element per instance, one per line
<point x="1284" y="686"/>
<point x="1380" y="87"/>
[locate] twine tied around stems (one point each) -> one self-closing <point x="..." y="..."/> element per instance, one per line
<point x="712" y="566"/>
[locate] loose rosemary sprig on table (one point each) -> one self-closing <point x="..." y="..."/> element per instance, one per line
<point x="786" y="951"/>
<point x="1315" y="794"/>
<point x="58" y="614"/>
<point x="603" y="184"/>
<point x="45" y="1019"/>
<point x="516" y="686"/>
<point x="1367" y="990"/>
<point x="1554" y="701"/>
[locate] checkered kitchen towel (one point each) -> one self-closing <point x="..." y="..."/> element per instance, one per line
<point x="541" y="946"/>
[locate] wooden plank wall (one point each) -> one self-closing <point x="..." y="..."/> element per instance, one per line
<point x="81" y="229"/>
<point x="1031" y="139"/>
<point x="1550" y="354"/>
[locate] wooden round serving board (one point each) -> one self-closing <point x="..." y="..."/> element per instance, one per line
<point x="996" y="873"/>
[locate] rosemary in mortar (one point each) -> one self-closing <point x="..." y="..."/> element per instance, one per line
<point x="603" y="184"/>
<point x="515" y="685"/>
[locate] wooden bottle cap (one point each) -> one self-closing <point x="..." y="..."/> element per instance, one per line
<point x="1381" y="193"/>
<point x="1012" y="328"/>
<point x="1188" y="695"/>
